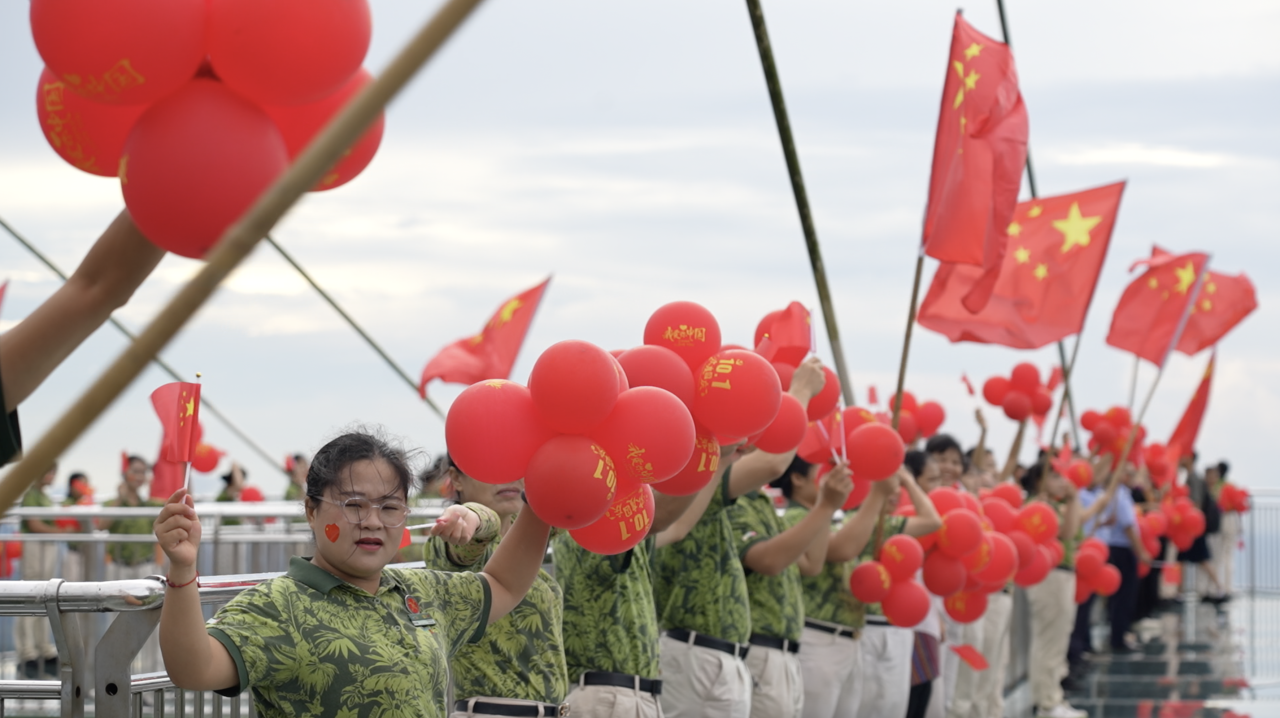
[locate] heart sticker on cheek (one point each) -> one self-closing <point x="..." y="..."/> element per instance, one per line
<point x="331" y="532"/>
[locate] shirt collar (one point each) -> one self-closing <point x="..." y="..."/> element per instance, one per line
<point x="303" y="571"/>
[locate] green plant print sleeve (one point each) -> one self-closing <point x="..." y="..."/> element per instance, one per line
<point x="777" y="605"/>
<point x="893" y="525"/>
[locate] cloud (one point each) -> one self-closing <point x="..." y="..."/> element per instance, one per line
<point x="1133" y="153"/>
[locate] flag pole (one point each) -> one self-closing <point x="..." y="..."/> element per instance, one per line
<point x="1133" y="383"/>
<point x="802" y="197"/>
<point x="352" y="323"/>
<point x="155" y="360"/>
<point x="236" y="243"/>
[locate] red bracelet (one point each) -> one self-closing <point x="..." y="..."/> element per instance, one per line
<point x="182" y="585"/>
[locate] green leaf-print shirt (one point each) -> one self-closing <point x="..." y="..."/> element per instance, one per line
<point x="310" y="644"/>
<point x="827" y="597"/>
<point x="777" y="604"/>
<point x="610" y="623"/>
<point x="35" y="497"/>
<point x="132" y="554"/>
<point x="699" y="583"/>
<point x="893" y="525"/>
<point x="522" y="654"/>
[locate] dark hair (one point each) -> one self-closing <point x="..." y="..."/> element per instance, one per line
<point x="134" y="457"/>
<point x="359" y="445"/>
<point x="437" y="470"/>
<point x="940" y="443"/>
<point x="1031" y="478"/>
<point x="915" y="461"/>
<point x="1223" y="468"/>
<point x="784" y="482"/>
<point x="76" y="475"/>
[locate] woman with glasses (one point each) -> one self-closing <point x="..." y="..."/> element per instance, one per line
<point x="341" y="634"/>
<point x="518" y="668"/>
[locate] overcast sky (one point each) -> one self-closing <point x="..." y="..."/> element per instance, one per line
<point x="629" y="148"/>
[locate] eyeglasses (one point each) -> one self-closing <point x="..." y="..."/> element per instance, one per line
<point x="391" y="513"/>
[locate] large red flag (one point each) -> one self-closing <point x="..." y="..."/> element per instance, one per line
<point x="1153" y="305"/>
<point x="978" y="156"/>
<point x="1184" y="436"/>
<point x="1056" y="248"/>
<point x="178" y="406"/>
<point x="1224" y="302"/>
<point x="491" y="353"/>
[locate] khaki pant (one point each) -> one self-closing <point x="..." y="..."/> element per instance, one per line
<point x="702" y="682"/>
<point x="832" y="670"/>
<point x="31" y="634"/>
<point x="980" y="694"/>
<point x="148" y="659"/>
<point x="1053" y="612"/>
<point x="886" y="659"/>
<point x="1222" y="555"/>
<point x="956" y="634"/>
<point x="612" y="702"/>
<point x="548" y="712"/>
<point x="779" y="691"/>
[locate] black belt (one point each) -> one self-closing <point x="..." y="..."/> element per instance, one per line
<point x="531" y="709"/>
<point x="736" y="650"/>
<point x="780" y="644"/>
<point x="833" y="630"/>
<point x="877" y="620"/>
<point x="622" y="680"/>
<point x="1068" y="569"/>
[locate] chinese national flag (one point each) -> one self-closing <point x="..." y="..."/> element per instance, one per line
<point x="789" y="337"/>
<point x="1153" y="304"/>
<point x="178" y="406"/>
<point x="978" y="156"/>
<point x="489" y="354"/>
<point x="1184" y="436"/>
<point x="1055" y="251"/>
<point x="1224" y="301"/>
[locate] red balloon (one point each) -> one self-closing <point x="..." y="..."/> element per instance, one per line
<point x="785" y="372"/>
<point x="787" y="430"/>
<point x="966" y="606"/>
<point x="945" y="499"/>
<point x="1041" y="402"/>
<point x="908" y="402"/>
<point x="124" y="52"/>
<point x="943" y="575"/>
<point x="1057" y="551"/>
<point x="1025" y="378"/>
<point x="1107" y="581"/>
<point x="1090" y="419"/>
<point x="856" y="416"/>
<point x="1039" y="521"/>
<point x="625" y="523"/>
<point x="252" y="493"/>
<point x="1119" y="416"/>
<point x="861" y="488"/>
<point x="765" y="325"/>
<point x="906" y="604"/>
<point x="623" y="382"/>
<point x="1025" y="547"/>
<point x="901" y="556"/>
<point x="825" y="401"/>
<point x="1080" y="473"/>
<point x="814" y="447"/>
<point x="1158" y="522"/>
<point x="1083" y="592"/>
<point x="870" y="582"/>
<point x="1017" y="406"/>
<point x="929" y="417"/>
<point x="1000" y="513"/>
<point x="1034" y="572"/>
<point x="1009" y="493"/>
<point x="299" y="124"/>
<point x="492" y="430"/>
<point x="1088" y="564"/>
<point x="1093" y="544"/>
<point x="649" y="434"/>
<point x="574" y="385"/>
<point x="685" y="328"/>
<point x="1004" y="561"/>
<point x="908" y="429"/>
<point x="1144" y="569"/>
<point x="570" y="481"/>
<point x="994" y="390"/>
<point x="969" y="501"/>
<point x="657" y="366"/>
<point x="287" y="52"/>
<point x="961" y="533"/>
<point x="703" y="466"/>
<point x="875" y="452"/>
<point x="205" y="458"/>
<point x="88" y="135"/>
<point x="195" y="162"/>
<point x="977" y="559"/>
<point x="1104" y="433"/>
<point x="736" y="393"/>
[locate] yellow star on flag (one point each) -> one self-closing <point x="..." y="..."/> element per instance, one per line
<point x="971" y="81"/>
<point x="1015" y="229"/>
<point x="972" y="51"/>
<point x="508" y="311"/>
<point x="191" y="407"/>
<point x="1153" y="283"/>
<point x="1022" y="255"/>
<point x="1042" y="271"/>
<point x="1035" y="211"/>
<point x="1206" y="305"/>
<point x="1186" y="277"/>
<point x="1075" y="228"/>
<point x="1210" y="288"/>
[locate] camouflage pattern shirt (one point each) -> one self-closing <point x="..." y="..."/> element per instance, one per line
<point x="893" y="525"/>
<point x="522" y="654"/>
<point x="310" y="644"/>
<point x="610" y="623"/>
<point x="777" y="603"/>
<point x="132" y="554"/>
<point x="699" y="583"/>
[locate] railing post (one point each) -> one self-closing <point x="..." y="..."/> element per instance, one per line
<point x="114" y="659"/>
<point x="66" y="636"/>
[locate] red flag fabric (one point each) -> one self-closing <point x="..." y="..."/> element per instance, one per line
<point x="1224" y="301"/>
<point x="178" y="406"/>
<point x="1184" y="436"/>
<point x="968" y="385"/>
<point x="1056" y="248"/>
<point x="166" y="478"/>
<point x="1152" y="305"/>
<point x="491" y="353"/>
<point x="872" y="399"/>
<point x="978" y="156"/>
<point x="789" y="337"/>
<point x="972" y="656"/>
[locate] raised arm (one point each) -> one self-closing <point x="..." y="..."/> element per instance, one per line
<point x="1011" y="462"/>
<point x="759" y="467"/>
<point x="115" y="266"/>
<point x="980" y="451"/>
<point x="849" y="541"/>
<point x="194" y="659"/>
<point x="772" y="556"/>
<point x="926" y="520"/>
<point x="516" y="562"/>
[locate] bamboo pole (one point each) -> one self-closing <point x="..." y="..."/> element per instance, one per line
<point x="236" y="244"/>
<point x="802" y="197"/>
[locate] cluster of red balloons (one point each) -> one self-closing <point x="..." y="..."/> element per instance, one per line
<point x="873" y="449"/>
<point x="1162" y="463"/>
<point x="1076" y="470"/>
<point x="1093" y="573"/>
<point x="890" y="581"/>
<point x="1112" y="430"/>
<point x="1021" y="395"/>
<point x="1185" y="521"/>
<point x="916" y="420"/>
<point x="1234" y="498"/>
<point x="198" y="105"/>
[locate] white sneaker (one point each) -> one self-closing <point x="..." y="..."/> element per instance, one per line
<point x="1062" y="710"/>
